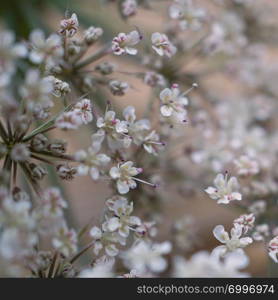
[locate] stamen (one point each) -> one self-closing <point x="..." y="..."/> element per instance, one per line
<point x="143" y="181"/>
<point x="194" y="85"/>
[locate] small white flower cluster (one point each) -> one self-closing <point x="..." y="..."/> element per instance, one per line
<point x="81" y="113"/>
<point x="50" y="221"/>
<point x="188" y="16"/>
<point x="116" y="228"/>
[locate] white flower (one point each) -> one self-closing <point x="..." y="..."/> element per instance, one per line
<point x="246" y="166"/>
<point x="83" y="109"/>
<point x="69" y="26"/>
<point x="204" y="264"/>
<point x="60" y="88"/>
<point x="233" y="242"/>
<point x="45" y="50"/>
<point x="154" y="79"/>
<point x="162" y="45"/>
<point x="225" y="190"/>
<point x="115" y="130"/>
<point x="261" y="232"/>
<point x="68" y="120"/>
<point x="129" y="8"/>
<point x="151" y="143"/>
<point x="246" y="221"/>
<point x="92" y="162"/>
<point x="136" y="129"/>
<point x="122" y="221"/>
<point x="53" y="202"/>
<point x="95" y="233"/>
<point x="172" y="101"/>
<point x="36" y="89"/>
<point x="124" y="176"/>
<point x="187" y="14"/>
<point x="16" y="243"/>
<point x="100" y="270"/>
<point x="145" y="256"/>
<point x="258" y="207"/>
<point x="123" y="43"/>
<point x="273" y="249"/>
<point x="9" y="51"/>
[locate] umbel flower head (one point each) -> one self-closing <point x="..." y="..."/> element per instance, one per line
<point x="225" y="190"/>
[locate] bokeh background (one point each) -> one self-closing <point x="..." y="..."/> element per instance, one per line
<point x="87" y="198"/>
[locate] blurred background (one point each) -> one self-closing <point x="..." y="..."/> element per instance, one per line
<point x="87" y="198"/>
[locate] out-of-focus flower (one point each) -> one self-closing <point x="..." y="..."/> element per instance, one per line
<point x="65" y="241"/>
<point x="232" y="242"/>
<point x="9" y="51"/>
<point x="273" y="249"/>
<point x="129" y="8"/>
<point x="172" y="101"/>
<point x="68" y="121"/>
<point x="258" y="207"/>
<point x="246" y="166"/>
<point x="53" y="201"/>
<point x="36" y="89"/>
<point x="189" y="17"/>
<point x="204" y="264"/>
<point x="123" y="43"/>
<point x="261" y="232"/>
<point x="162" y="46"/>
<point x="225" y="189"/>
<point x="92" y="162"/>
<point x="45" y="50"/>
<point x="92" y="34"/>
<point x="154" y="79"/>
<point x="100" y="270"/>
<point x="145" y="257"/>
